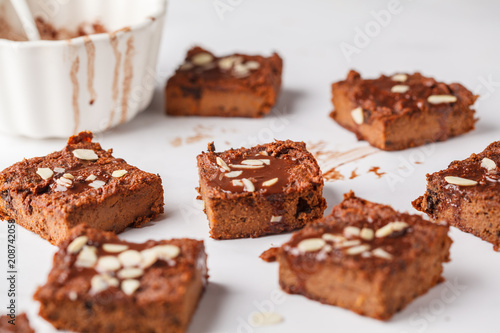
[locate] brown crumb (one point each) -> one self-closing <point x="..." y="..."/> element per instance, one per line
<point x="353" y="174"/>
<point x="269" y="255"/>
<point x="376" y="171"/>
<point x="177" y="142"/>
<point x="332" y="175"/>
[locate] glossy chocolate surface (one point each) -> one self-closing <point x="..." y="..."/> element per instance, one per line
<point x="377" y="99"/>
<point x="272" y="168"/>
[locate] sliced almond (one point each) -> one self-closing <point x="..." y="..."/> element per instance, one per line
<point x="381" y="253"/>
<point x="399" y="77"/>
<point x="227" y="62"/>
<point x="391" y="227"/>
<point x="59" y="170"/>
<point x="311" y="244"/>
<point x="367" y="234"/>
<point x="130" y="273"/>
<point x="130" y="258"/>
<point x="202" y="59"/>
<point x="400" y="88"/>
<point x="438" y="99"/>
<point x="72" y="295"/>
<point x="357" y="115"/>
<point x="333" y="237"/>
<point x="64" y="182"/>
<point x="167" y="251"/>
<point x="263" y="153"/>
<point x="249" y="186"/>
<point x="240" y="71"/>
<point x="108" y="264"/>
<point x="129" y="286"/>
<point x="68" y="176"/>
<point x="233" y="174"/>
<point x="460" y="181"/>
<point x="252" y="162"/>
<point x="45" y="173"/>
<point x="237" y="182"/>
<point x="90" y="178"/>
<point x="114" y="248"/>
<point x="112" y="281"/>
<point x="87" y="257"/>
<point x="488" y="164"/>
<point x="357" y="249"/>
<point x="85" y="154"/>
<point x="97" y="184"/>
<point x="260" y="319"/>
<point x="98" y="284"/>
<point x="384" y="231"/>
<point x="102" y="282"/>
<point x="351" y="231"/>
<point x="77" y="244"/>
<point x="270" y="182"/>
<point x="222" y="164"/>
<point x="243" y="166"/>
<point x="252" y="65"/>
<point x="119" y="173"/>
<point x="149" y="257"/>
<point x="275" y="219"/>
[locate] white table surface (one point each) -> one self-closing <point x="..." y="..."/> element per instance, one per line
<point x="454" y="41"/>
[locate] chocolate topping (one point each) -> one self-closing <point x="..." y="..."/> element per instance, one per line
<point x="270" y="169"/>
<point x="471" y="169"/>
<point x="401" y="243"/>
<point x="377" y="99"/>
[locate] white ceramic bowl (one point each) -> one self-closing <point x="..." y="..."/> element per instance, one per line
<point x="58" y="88"/>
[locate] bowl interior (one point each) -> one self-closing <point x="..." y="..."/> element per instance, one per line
<point x="69" y="14"/>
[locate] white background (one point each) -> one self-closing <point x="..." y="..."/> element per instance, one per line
<point x="454" y="41"/>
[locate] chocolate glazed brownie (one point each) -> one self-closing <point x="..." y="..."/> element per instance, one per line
<point x="365" y="257"/>
<point x="236" y="85"/>
<point x="80" y="184"/>
<point x="402" y="111"/>
<point x="99" y="283"/>
<point x="267" y="189"/>
<point x="20" y="324"/>
<point x="466" y="195"/>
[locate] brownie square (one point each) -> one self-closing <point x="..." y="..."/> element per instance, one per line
<point x="466" y="195"/>
<point x="402" y="111"/>
<point x="101" y="284"/>
<point x="19" y="324"/>
<point x="236" y="85"/>
<point x="267" y="189"/>
<point x="365" y="257"/>
<point x="80" y="184"/>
